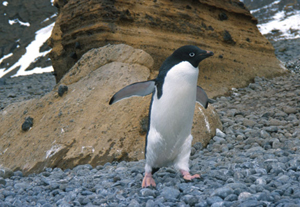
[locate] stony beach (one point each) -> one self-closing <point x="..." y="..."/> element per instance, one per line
<point x="254" y="161"/>
<point x="23" y="88"/>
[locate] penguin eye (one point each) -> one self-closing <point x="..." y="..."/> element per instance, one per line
<point x="192" y="54"/>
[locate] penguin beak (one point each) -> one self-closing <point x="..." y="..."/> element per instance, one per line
<point x="206" y="54"/>
<point x="209" y="53"/>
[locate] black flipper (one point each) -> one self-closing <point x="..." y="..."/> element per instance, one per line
<point x="201" y="97"/>
<point x="136" y="89"/>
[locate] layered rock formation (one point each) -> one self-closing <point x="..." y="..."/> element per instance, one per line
<point x="79" y="126"/>
<point x="161" y="26"/>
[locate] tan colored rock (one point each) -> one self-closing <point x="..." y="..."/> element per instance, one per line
<point x="159" y="27"/>
<point x="81" y="127"/>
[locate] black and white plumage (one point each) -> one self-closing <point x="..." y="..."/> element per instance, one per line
<point x="174" y="95"/>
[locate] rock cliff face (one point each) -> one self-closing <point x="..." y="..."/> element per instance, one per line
<point x="161" y="26"/>
<point x="80" y="127"/>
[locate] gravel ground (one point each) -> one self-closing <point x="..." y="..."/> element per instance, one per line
<point x="25" y="87"/>
<point x="287" y="50"/>
<point x="255" y="161"/>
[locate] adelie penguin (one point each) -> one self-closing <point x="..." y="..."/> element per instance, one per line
<point x="174" y="95"/>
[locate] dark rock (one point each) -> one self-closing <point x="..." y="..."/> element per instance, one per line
<point x="223" y="16"/>
<point x="227" y="38"/>
<point x="77" y="45"/>
<point x="73" y="55"/>
<point x="62" y="89"/>
<point x="28" y="123"/>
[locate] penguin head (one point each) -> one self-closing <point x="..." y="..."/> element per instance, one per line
<point x="193" y="54"/>
<point x="190" y="54"/>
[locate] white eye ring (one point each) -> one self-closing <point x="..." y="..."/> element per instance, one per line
<point x="192" y="54"/>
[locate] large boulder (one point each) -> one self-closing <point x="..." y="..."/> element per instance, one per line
<point x="159" y="27"/>
<point x="80" y="126"/>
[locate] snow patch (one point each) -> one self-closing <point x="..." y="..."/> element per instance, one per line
<point x="15" y="21"/>
<point x="289" y="26"/>
<point x="54" y="15"/>
<point x="5" y="56"/>
<point x="45" y="20"/>
<point x="4" y="3"/>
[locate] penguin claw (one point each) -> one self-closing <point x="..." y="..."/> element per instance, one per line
<point x="148" y="181"/>
<point x="188" y="176"/>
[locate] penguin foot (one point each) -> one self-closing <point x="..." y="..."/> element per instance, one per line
<point x="187" y="176"/>
<point x="148" y="181"/>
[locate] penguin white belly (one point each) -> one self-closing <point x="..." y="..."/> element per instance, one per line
<point x="171" y="116"/>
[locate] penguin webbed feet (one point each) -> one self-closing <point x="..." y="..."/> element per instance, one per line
<point x="187" y="176"/>
<point x="148" y="181"/>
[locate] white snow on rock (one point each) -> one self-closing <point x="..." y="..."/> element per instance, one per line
<point x="288" y="25"/>
<point x="32" y="52"/>
<point x="15" y="21"/>
<point x="285" y="22"/>
<point x="5" y="56"/>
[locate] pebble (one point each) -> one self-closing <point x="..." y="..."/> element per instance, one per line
<point x="223" y="192"/>
<point x="62" y="89"/>
<point x="28" y="123"/>
<point x="170" y="193"/>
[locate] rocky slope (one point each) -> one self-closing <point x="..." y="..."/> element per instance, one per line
<point x="159" y="27"/>
<point x="19" y="21"/>
<point x="78" y="126"/>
